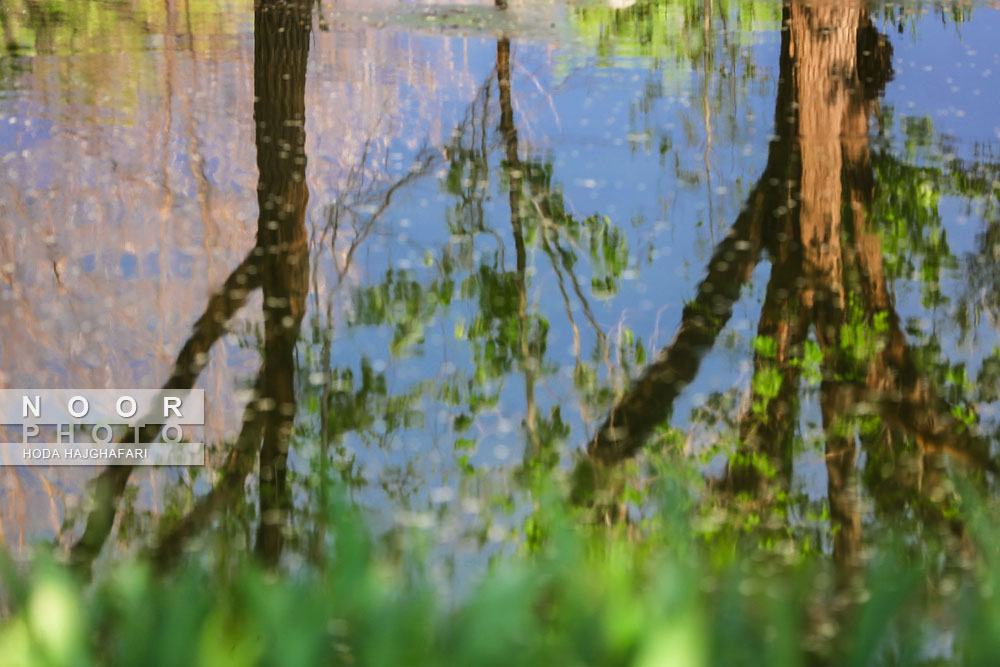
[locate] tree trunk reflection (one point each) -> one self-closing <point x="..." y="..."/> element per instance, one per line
<point x="279" y="265"/>
<point x="281" y="52"/>
<point x="810" y="212"/>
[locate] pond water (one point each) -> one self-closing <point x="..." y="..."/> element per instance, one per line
<point x="426" y="248"/>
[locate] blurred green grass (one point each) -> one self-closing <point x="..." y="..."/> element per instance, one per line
<point x="573" y="593"/>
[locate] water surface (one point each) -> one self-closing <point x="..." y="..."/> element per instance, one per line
<point x="427" y="249"/>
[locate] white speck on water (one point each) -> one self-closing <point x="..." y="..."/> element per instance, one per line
<point x="442" y="494"/>
<point x="419" y="520"/>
